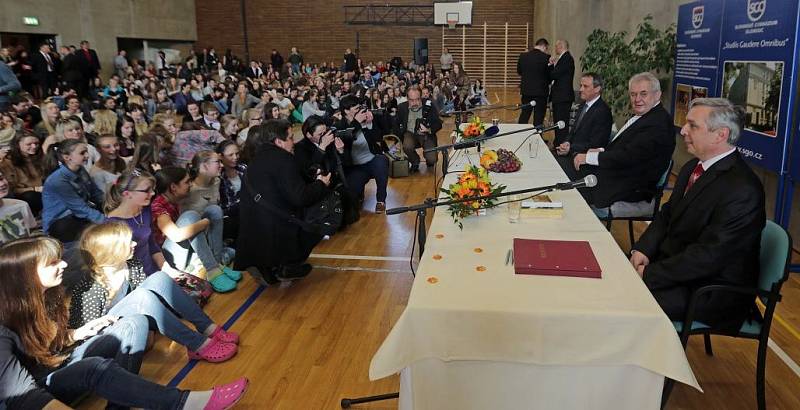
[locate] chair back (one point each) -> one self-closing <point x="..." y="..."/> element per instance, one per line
<point x="774" y="258"/>
<point x="662" y="183"/>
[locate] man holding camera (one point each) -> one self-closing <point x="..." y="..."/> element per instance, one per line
<point x="363" y="157"/>
<point x="417" y="122"/>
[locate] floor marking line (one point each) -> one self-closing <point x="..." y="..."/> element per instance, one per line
<point x="361" y="269"/>
<point x="359" y="257"/>
<point x="182" y="373"/>
<point x="783" y="323"/>
<point x="784" y="357"/>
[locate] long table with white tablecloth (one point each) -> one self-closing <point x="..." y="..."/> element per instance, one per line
<point x="475" y="335"/>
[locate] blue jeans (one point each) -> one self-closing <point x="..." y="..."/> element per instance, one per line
<point x="157" y="298"/>
<point x="359" y="175"/>
<point x="107" y="364"/>
<point x="124" y="341"/>
<point x="108" y="380"/>
<point x="207" y="244"/>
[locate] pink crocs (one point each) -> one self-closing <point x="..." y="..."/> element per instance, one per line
<point x="225" y="396"/>
<point x="224" y="336"/>
<point x="216" y="351"/>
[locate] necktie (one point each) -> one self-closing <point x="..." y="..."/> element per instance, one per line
<point x="49" y="61"/>
<point x="698" y="170"/>
<point x="581" y="113"/>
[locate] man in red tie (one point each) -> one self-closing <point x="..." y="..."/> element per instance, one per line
<point x="709" y="231"/>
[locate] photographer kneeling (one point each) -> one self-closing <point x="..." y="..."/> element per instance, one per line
<point x="417" y="122"/>
<point x="270" y="245"/>
<point x="363" y="157"/>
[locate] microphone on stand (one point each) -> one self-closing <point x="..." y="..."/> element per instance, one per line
<point x="559" y="125"/>
<point x="587" y="182"/>
<point x="521" y="106"/>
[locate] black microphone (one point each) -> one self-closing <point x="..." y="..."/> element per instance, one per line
<point x="587" y="182"/>
<point x="559" y="125"/>
<point x="521" y="106"/>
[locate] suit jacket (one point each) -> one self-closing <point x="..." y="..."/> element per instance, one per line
<point x="70" y="68"/>
<point x="401" y="119"/>
<point x="593" y="130"/>
<point x="709" y="235"/>
<point x="39" y="66"/>
<point x="562" y="74"/>
<point x="632" y="164"/>
<point x="88" y="68"/>
<point x="532" y="66"/>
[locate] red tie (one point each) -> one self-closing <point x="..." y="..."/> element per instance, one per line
<point x="698" y="170"/>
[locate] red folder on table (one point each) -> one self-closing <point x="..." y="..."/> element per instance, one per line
<point x="555" y="258"/>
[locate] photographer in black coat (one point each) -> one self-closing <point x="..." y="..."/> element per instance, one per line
<point x="417" y="123"/>
<point x="270" y="246"/>
<point x="363" y="157"/>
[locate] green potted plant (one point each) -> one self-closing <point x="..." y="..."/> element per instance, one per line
<point x="616" y="59"/>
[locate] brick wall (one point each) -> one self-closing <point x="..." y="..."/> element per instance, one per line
<point x="317" y="28"/>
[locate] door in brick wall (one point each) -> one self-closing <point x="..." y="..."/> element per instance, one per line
<point x="487" y="51"/>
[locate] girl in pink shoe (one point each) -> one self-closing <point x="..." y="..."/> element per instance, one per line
<point x="118" y="287"/>
<point x="43" y="364"/>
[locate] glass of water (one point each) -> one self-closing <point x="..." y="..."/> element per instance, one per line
<point x="514" y="208"/>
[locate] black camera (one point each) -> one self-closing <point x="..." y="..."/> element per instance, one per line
<point x="346" y="134"/>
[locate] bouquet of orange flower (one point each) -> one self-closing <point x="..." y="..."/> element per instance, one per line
<point x="472" y="129"/>
<point x="474" y="182"/>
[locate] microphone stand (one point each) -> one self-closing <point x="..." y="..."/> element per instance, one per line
<point x="459" y="118"/>
<point x="478" y="140"/>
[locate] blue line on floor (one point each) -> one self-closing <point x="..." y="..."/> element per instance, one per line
<point x="236" y="315"/>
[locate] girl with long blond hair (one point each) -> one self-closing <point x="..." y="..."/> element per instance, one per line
<point x="118" y="285"/>
<point x="43" y="364"/>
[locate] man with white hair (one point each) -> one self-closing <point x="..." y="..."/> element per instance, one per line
<point x="629" y="167"/>
<point x="709" y="231"/>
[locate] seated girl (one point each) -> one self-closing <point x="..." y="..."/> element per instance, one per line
<point x="107" y="169"/>
<point x="71" y="129"/>
<point x="23" y="169"/>
<point x="179" y="233"/>
<point x="230" y="186"/>
<point x="37" y="368"/>
<point x="118" y="287"/>
<point x="73" y="200"/>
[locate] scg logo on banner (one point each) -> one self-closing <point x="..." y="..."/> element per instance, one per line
<point x="756" y="9"/>
<point x="697" y="16"/>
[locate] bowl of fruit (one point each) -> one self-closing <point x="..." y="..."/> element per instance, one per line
<point x="501" y="160"/>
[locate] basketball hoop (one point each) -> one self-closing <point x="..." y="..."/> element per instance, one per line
<point x="451" y="24"/>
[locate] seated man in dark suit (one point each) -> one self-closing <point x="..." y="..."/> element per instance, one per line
<point x="710" y="230"/>
<point x="417" y="123"/>
<point x="592" y="126"/>
<point x="632" y="163"/>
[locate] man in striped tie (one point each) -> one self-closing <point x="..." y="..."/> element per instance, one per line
<point x="709" y="231"/>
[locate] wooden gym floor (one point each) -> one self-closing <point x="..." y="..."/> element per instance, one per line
<point x="308" y="345"/>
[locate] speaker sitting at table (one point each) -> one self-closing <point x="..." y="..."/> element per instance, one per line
<point x="708" y="233"/>
<point x="629" y="168"/>
<point x="592" y="125"/>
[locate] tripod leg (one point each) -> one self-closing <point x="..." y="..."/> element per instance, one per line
<point x="346" y="403"/>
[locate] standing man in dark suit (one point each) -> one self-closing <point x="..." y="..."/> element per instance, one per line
<point x="629" y="168"/>
<point x="710" y="230"/>
<point x="562" y="71"/>
<point x="592" y="126"/>
<point x="43" y="72"/>
<point x="90" y="65"/>
<point x="417" y="123"/>
<point x="532" y="66"/>
<point x="71" y="70"/>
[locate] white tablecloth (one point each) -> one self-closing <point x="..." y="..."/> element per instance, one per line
<point x="475" y="330"/>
